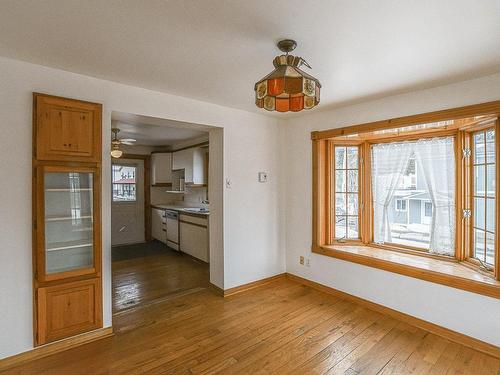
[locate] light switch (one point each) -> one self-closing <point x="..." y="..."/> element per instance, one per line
<point x="262" y="176"/>
<point x="228" y="183"/>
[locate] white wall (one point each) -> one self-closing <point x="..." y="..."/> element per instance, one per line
<point x="249" y="141"/>
<point x="461" y="311"/>
<point x="242" y="144"/>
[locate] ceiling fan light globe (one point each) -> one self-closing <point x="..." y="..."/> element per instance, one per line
<point x="116" y="153"/>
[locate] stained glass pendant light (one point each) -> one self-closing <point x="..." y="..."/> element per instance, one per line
<point x="287" y="87"/>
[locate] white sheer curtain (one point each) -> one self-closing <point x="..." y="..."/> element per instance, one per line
<point x="435" y="160"/>
<point x="389" y="162"/>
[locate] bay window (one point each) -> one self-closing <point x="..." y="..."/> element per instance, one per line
<point x="423" y="189"/>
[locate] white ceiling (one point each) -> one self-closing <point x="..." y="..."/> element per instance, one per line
<point x="215" y="50"/>
<point x="151" y="131"/>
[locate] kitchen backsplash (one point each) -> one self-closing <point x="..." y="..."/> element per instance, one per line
<point x="192" y="197"/>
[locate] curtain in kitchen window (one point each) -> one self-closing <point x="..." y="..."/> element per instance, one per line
<point x="389" y="162"/>
<point x="435" y="159"/>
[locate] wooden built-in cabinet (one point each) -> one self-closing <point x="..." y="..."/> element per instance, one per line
<point x="66" y="217"/>
<point x="68" y="309"/>
<point x="66" y="129"/>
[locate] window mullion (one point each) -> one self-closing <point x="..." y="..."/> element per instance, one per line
<point x="365" y="193"/>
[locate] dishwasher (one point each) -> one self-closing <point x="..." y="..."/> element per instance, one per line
<point x="172" y="218"/>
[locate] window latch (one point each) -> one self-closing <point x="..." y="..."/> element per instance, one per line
<point x="466" y="214"/>
<point x="466" y="152"/>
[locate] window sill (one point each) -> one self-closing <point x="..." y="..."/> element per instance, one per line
<point x="448" y="273"/>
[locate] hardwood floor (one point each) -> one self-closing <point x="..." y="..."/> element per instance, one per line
<point x="149" y="272"/>
<point x="280" y="328"/>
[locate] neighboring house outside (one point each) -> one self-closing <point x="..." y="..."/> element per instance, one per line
<point x="410" y="212"/>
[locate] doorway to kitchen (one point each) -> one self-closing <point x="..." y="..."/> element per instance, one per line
<point x="127" y="207"/>
<point x="160" y="224"/>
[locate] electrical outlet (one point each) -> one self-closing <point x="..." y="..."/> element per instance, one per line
<point x="301" y="260"/>
<point x="308" y="262"/>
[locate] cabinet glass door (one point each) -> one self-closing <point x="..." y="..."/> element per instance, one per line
<point x="68" y="221"/>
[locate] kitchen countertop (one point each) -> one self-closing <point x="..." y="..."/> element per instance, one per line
<point x="181" y="210"/>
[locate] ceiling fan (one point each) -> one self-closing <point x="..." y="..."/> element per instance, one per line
<point x="115" y="143"/>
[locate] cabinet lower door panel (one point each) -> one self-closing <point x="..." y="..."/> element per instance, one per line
<point x="68" y="309"/>
<point x="194" y="241"/>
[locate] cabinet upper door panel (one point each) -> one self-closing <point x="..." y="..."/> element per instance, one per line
<point x="161" y="168"/>
<point x="66" y="129"/>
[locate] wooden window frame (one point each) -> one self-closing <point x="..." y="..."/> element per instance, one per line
<point x="469" y="248"/>
<point x="334" y="193"/>
<point x="323" y="143"/>
<point x="366" y="215"/>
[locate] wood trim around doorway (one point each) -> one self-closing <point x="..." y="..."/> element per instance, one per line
<point x="147" y="192"/>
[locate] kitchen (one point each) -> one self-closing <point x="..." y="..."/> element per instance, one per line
<point x="180" y="225"/>
<point x="160" y="209"/>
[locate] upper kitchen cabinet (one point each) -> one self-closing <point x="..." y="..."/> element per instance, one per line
<point x="161" y="168"/>
<point x="66" y="129"/>
<point x="192" y="160"/>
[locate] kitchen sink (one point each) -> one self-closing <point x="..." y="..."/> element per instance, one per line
<point x="199" y="210"/>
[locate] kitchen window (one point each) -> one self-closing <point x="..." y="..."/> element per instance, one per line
<point x="419" y="188"/>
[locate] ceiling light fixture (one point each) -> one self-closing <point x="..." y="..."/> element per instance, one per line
<point x="115" y="143"/>
<point x="287" y="88"/>
<point x="116" y="152"/>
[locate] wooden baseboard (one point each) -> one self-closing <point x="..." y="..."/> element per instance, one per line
<point x="446" y="333"/>
<point x="216" y="289"/>
<point x="245" y="287"/>
<point x="55" y="347"/>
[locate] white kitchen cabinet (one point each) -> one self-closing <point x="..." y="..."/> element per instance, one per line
<point x="181" y="159"/>
<point x="194" y="236"/>
<point x="161" y="168"/>
<point x="157" y="225"/>
<point x="192" y="161"/>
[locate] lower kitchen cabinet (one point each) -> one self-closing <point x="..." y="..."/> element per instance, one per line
<point x="68" y="309"/>
<point x="194" y="236"/>
<point x="158" y="225"/>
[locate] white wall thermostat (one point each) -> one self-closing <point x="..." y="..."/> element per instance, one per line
<point x="262" y="176"/>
